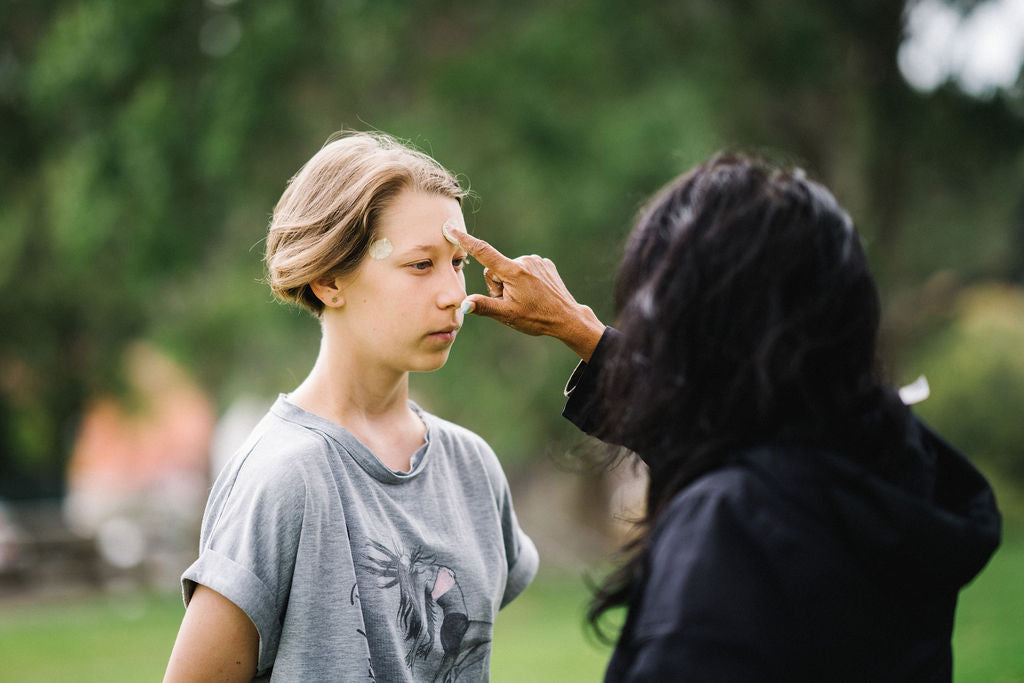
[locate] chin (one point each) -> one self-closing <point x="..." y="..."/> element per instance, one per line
<point x="430" y="364"/>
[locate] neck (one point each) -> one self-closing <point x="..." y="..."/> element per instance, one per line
<point x="349" y="391"/>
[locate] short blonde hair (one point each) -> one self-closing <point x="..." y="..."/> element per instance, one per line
<point x="327" y="217"/>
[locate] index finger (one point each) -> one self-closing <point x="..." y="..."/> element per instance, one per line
<point x="482" y="251"/>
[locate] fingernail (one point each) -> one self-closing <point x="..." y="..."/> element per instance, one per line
<point x="466" y="307"/>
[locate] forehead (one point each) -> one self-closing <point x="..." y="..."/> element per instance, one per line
<point x="417" y="217"/>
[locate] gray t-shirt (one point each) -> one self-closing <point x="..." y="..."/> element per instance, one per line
<point x="353" y="572"/>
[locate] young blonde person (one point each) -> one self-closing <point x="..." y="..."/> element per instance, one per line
<point x="354" y="536"/>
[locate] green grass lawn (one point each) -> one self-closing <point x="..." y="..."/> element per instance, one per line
<point x="115" y="638"/>
<point x="538" y="638"/>
<point x="988" y="643"/>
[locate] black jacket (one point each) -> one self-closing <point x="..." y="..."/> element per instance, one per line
<point x="797" y="565"/>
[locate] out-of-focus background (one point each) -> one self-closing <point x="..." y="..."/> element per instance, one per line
<point x="144" y="144"/>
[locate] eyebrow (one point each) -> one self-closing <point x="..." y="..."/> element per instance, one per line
<point x="430" y="248"/>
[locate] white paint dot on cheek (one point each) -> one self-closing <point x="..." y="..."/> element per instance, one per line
<point x="381" y="249"/>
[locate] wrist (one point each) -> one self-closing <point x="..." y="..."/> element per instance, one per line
<point x="583" y="332"/>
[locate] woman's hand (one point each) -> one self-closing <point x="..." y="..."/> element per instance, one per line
<point x="528" y="295"/>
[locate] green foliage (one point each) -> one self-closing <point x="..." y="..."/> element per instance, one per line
<point x="976" y="371"/>
<point x="145" y="144"/>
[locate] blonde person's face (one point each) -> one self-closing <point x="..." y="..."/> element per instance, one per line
<point x="401" y="306"/>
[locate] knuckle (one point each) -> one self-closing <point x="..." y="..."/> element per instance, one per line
<point x="516" y="269"/>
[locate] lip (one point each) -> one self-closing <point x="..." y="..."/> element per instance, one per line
<point x="445" y="333"/>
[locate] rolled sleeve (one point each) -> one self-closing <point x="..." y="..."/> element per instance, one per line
<point x="522" y="571"/>
<point x="239" y="585"/>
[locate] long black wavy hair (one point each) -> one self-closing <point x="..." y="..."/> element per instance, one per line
<point x="748" y="316"/>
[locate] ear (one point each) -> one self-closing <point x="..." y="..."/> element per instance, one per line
<point x="329" y="291"/>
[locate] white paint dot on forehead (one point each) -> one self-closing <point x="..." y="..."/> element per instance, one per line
<point x="381" y="248"/>
<point x="450" y="223"/>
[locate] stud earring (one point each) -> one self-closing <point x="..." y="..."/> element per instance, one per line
<point x="334" y="300"/>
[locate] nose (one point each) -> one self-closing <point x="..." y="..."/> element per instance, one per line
<point x="452" y="289"/>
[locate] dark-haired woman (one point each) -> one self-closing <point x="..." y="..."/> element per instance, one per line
<point x="801" y="523"/>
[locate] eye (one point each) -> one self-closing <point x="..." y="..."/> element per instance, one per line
<point x="460" y="262"/>
<point x="421" y="265"/>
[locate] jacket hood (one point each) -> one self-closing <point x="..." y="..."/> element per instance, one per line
<point x="934" y="529"/>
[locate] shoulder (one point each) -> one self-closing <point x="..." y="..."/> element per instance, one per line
<point x="714" y="549"/>
<point x="741" y="522"/>
<point x="466" y="449"/>
<point x="732" y="491"/>
<point x="456" y="435"/>
<point x="747" y="521"/>
<point x="279" y="458"/>
<point x="722" y="507"/>
<point x="762" y="490"/>
<point x="457" y="439"/>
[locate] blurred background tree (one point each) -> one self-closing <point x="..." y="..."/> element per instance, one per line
<point x="145" y="143"/>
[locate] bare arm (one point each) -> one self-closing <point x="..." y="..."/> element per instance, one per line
<point x="217" y="642"/>
<point x="528" y="295"/>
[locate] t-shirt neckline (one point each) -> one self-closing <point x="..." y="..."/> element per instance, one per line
<point x="351" y="444"/>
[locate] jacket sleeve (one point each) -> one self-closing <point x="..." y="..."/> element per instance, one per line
<point x="582" y="407"/>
